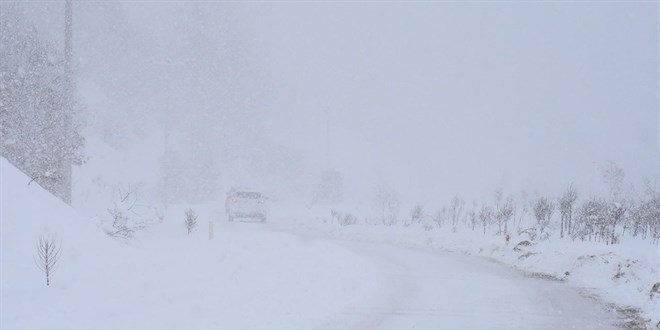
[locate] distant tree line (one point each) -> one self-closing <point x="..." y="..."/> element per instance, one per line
<point x="597" y="219"/>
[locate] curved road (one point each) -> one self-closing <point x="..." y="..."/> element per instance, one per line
<point x="442" y="290"/>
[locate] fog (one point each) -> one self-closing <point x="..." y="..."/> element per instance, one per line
<point x="432" y="99"/>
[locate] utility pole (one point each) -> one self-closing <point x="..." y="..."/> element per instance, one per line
<point x="66" y="162"/>
<point x="68" y="34"/>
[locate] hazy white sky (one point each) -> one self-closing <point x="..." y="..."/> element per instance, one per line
<point x="434" y="98"/>
<point x="452" y="97"/>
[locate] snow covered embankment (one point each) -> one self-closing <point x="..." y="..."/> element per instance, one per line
<point x="245" y="278"/>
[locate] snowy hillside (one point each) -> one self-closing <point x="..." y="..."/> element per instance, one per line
<point x="244" y="278"/>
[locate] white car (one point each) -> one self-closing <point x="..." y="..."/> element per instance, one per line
<point x="246" y="204"/>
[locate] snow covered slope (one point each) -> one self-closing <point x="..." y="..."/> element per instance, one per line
<point x="27" y="212"/>
<point x="246" y="277"/>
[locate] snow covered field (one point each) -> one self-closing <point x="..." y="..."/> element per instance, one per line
<point x="282" y="275"/>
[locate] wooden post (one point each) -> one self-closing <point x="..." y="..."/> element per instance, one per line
<point x="210" y="230"/>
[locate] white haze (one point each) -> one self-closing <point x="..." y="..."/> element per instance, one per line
<point x="432" y="98"/>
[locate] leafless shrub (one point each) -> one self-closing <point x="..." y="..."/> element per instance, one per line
<point x="335" y="216"/>
<point x="347" y="220"/>
<point x="387" y="204"/>
<point x="427" y="222"/>
<point x="128" y="215"/>
<point x="48" y="253"/>
<point x="343" y="219"/>
<point x="191" y="220"/>
<point x="416" y="214"/>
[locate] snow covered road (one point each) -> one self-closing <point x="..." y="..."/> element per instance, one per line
<point x="440" y="290"/>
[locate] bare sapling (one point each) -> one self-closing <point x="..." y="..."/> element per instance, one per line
<point x="48" y="252"/>
<point x="191" y="220"/>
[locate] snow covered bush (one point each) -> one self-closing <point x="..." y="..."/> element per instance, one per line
<point x="343" y="219"/>
<point x="427" y="223"/>
<point x="329" y="190"/>
<point x="543" y="209"/>
<point x="592" y="220"/>
<point x="191" y="220"/>
<point x="348" y="219"/>
<point x="645" y="217"/>
<point x="530" y="232"/>
<point x="416" y="214"/>
<point x="387" y="204"/>
<point x="128" y="215"/>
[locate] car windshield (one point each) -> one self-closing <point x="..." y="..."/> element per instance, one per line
<point x="248" y="194"/>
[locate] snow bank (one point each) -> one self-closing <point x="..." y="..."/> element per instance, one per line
<point x="27" y="212"/>
<point x="246" y="277"/>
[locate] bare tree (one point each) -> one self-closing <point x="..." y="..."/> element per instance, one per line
<point x="485" y="216"/>
<point x="472" y="216"/>
<point x="387" y="204"/>
<point x="522" y="211"/>
<point x="646" y="215"/>
<point x="48" y="253"/>
<point x="613" y="176"/>
<point x="592" y="220"/>
<point x="440" y="217"/>
<point x="191" y="220"/>
<point x="456" y="209"/>
<point x="616" y="214"/>
<point x="566" y="203"/>
<point x="503" y="214"/>
<point x="543" y="209"/>
<point x="416" y="214"/>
